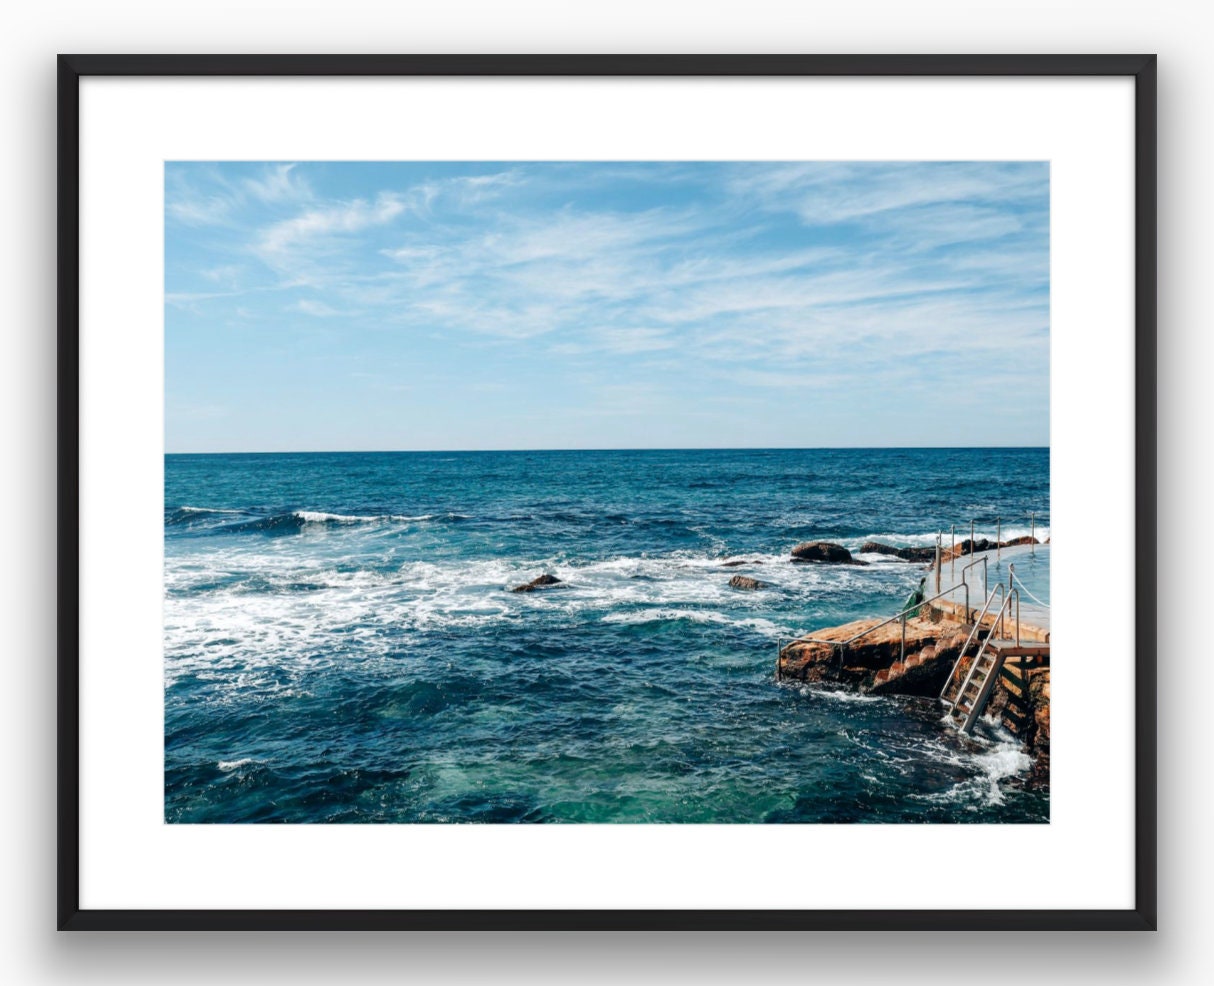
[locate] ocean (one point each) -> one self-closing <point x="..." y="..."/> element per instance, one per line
<point x="341" y="644"/>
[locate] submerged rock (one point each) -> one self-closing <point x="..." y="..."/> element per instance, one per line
<point x="738" y="562"/>
<point x="745" y="582"/>
<point x="824" y="551"/>
<point x="537" y="583"/>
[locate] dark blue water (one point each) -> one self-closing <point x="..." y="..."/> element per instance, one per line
<point x="341" y="644"/>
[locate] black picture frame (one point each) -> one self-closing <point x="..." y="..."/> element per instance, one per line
<point x="72" y="68"/>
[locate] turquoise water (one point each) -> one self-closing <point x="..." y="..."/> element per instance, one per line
<point x="341" y="644"/>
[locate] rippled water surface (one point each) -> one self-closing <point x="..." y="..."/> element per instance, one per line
<point x="341" y="644"/>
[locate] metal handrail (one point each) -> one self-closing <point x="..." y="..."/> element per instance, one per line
<point x="970" y="639"/>
<point x="865" y="633"/>
<point x="1011" y="576"/>
<point x="974" y="707"/>
<point x="998" y="622"/>
<point x="841" y="645"/>
<point x="985" y="580"/>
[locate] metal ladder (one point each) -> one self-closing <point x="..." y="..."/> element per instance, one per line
<point x="971" y="698"/>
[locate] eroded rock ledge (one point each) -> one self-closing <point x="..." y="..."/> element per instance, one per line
<point x="874" y="665"/>
<point x="966" y="547"/>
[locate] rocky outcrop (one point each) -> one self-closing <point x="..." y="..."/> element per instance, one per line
<point x="907" y="554"/>
<point x="745" y="582"/>
<point x="874" y="663"/>
<point x="968" y="547"/>
<point x="1020" y="701"/>
<point x="824" y="551"/>
<point x="877" y="664"/>
<point x="738" y="562"/>
<point x="541" y="582"/>
<point x="1020" y="540"/>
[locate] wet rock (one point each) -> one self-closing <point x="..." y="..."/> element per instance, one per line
<point x="1020" y="701"/>
<point x="541" y="582"/>
<point x="824" y="551"/>
<point x="1020" y="540"/>
<point x="968" y="547"/>
<point x="739" y="562"/>
<point x="907" y="554"/>
<point x="745" y="582"/>
<point x="874" y="662"/>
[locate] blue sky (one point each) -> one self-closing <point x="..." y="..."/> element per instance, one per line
<point x="480" y="305"/>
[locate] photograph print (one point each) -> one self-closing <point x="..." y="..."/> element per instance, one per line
<point x="608" y="492"/>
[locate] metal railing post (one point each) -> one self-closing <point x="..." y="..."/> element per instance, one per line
<point x="840" y="646"/>
<point x="1011" y="587"/>
<point x="952" y="553"/>
<point x="938" y="537"/>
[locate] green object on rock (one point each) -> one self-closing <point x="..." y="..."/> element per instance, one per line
<point x="915" y="598"/>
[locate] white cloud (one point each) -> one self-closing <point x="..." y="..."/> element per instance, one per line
<point x="198" y="210"/>
<point x="280" y="183"/>
<point x="942" y="262"/>
<point x="225" y="201"/>
<point x="347" y="217"/>
<point x="835" y="193"/>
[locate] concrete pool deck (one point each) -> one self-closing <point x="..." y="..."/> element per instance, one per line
<point x="1031" y="567"/>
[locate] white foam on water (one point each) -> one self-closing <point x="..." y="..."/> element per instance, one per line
<point x="207" y="510"/>
<point x="664" y="615"/>
<point x="268" y="609"/>
<point x="1005" y="760"/>
<point x="927" y="539"/>
<point x="996" y="760"/>
<point x="841" y="695"/>
<point x="229" y="765"/>
<point x="318" y="517"/>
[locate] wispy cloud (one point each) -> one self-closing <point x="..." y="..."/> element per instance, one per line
<point x="206" y="196"/>
<point x="280" y="183"/>
<point x="761" y="278"/>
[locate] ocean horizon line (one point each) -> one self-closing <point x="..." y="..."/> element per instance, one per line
<point x="673" y="448"/>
